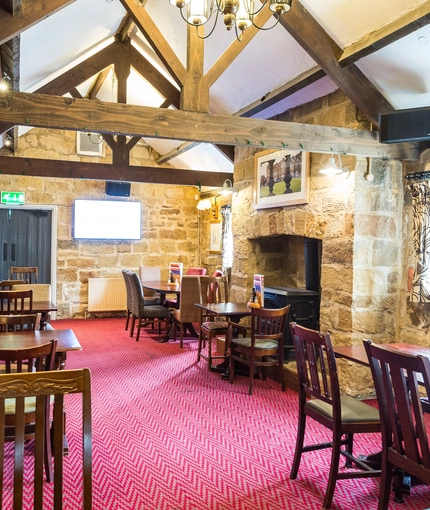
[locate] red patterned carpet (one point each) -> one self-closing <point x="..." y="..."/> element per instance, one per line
<point x="169" y="435"/>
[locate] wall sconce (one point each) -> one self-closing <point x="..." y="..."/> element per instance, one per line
<point x="204" y="204"/>
<point x="333" y="169"/>
<point x="227" y="188"/>
<point x="368" y="175"/>
<point x="8" y="140"/>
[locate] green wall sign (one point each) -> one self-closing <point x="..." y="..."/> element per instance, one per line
<point x="13" y="197"/>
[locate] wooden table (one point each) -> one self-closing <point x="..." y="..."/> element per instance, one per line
<point x="42" y="307"/>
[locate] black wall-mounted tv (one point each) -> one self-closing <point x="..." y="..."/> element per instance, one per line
<point x="107" y="219"/>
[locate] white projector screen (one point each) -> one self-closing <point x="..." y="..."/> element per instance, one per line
<point x="107" y="219"/>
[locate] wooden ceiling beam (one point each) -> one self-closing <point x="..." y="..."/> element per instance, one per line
<point x="275" y="96"/>
<point x="80" y="73"/>
<point x="401" y="27"/>
<point x="101" y="171"/>
<point x="156" y="39"/>
<point x="326" y="53"/>
<point x="236" y="47"/>
<point x="153" y="76"/>
<point x="177" y="151"/>
<point x="31" y="13"/>
<point x="98" y="84"/>
<point x="47" y="111"/>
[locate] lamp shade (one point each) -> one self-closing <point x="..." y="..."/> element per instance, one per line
<point x="331" y="168"/>
<point x="198" y="12"/>
<point x="280" y="7"/>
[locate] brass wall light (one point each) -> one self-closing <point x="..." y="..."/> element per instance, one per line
<point x="333" y="168"/>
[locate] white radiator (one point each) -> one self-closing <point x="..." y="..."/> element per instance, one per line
<point x="106" y="294"/>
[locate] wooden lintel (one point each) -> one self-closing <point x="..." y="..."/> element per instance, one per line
<point x="11" y="165"/>
<point x="39" y="110"/>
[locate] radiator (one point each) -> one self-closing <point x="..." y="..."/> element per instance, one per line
<point x="106" y="294"/>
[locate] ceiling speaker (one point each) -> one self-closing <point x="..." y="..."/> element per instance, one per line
<point x="118" y="188"/>
<point x="405" y="126"/>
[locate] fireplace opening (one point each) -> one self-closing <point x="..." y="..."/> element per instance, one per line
<point x="291" y="267"/>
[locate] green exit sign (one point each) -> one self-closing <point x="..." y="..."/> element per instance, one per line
<point x="13" y="197"/>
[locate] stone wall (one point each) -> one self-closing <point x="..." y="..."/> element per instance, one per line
<point x="359" y="224"/>
<point x="172" y="228"/>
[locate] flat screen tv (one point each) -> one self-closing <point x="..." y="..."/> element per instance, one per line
<point x="107" y="219"/>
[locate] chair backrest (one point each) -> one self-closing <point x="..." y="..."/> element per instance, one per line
<point x="25" y="273"/>
<point x="268" y="322"/>
<point x="316" y="367"/>
<point x="42" y="386"/>
<point x="150" y="273"/>
<point x="404" y="437"/>
<point x="8" y="284"/>
<point x="127" y="288"/>
<point x="28" y="322"/>
<point x="214" y="289"/>
<point x="190" y="294"/>
<point x="41" y="291"/>
<point x="29" y="359"/>
<point x="16" y="301"/>
<point x="196" y="271"/>
<point x="137" y="296"/>
<point x="217" y="272"/>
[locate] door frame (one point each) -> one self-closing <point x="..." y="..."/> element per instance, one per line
<point x="54" y="220"/>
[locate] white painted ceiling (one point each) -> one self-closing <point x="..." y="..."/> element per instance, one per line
<point x="401" y="70"/>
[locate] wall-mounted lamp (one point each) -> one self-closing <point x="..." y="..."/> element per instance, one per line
<point x="333" y="169"/>
<point x="227" y="188"/>
<point x="8" y="140"/>
<point x="368" y="175"/>
<point x="204" y="204"/>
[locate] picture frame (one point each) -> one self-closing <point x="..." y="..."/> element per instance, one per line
<point x="281" y="178"/>
<point x="215" y="237"/>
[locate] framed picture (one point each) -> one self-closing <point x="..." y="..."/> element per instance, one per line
<point x="281" y="178"/>
<point x="215" y="237"/>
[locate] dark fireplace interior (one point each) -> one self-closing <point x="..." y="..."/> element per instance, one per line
<point x="291" y="268"/>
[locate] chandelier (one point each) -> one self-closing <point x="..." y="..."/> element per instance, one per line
<point x="238" y="14"/>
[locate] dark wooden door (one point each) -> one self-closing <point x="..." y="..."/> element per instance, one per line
<point x="25" y="240"/>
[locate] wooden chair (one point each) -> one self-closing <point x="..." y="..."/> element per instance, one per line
<point x="12" y="323"/>
<point x="41" y="387"/>
<point x="150" y="273"/>
<point x="320" y="399"/>
<point x="260" y="342"/>
<point x="129" y="297"/>
<point x="187" y="313"/>
<point x="8" y="284"/>
<point x="41" y="292"/>
<point x="405" y="442"/>
<point x="145" y="314"/>
<point x="212" y="290"/>
<point x="19" y="423"/>
<point x="25" y="273"/>
<point x="16" y="302"/>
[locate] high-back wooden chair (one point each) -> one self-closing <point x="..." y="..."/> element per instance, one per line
<point x="212" y="290"/>
<point x="187" y="313"/>
<point x="144" y="314"/>
<point x="262" y="344"/>
<point x="320" y="399"/>
<point x="31" y="274"/>
<point x="12" y="323"/>
<point x="8" y="284"/>
<point x="16" y="301"/>
<point x="20" y="421"/>
<point x="405" y="442"/>
<point x="41" y="387"/>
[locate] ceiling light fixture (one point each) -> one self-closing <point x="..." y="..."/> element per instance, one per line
<point x="333" y="169"/>
<point x="237" y="13"/>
